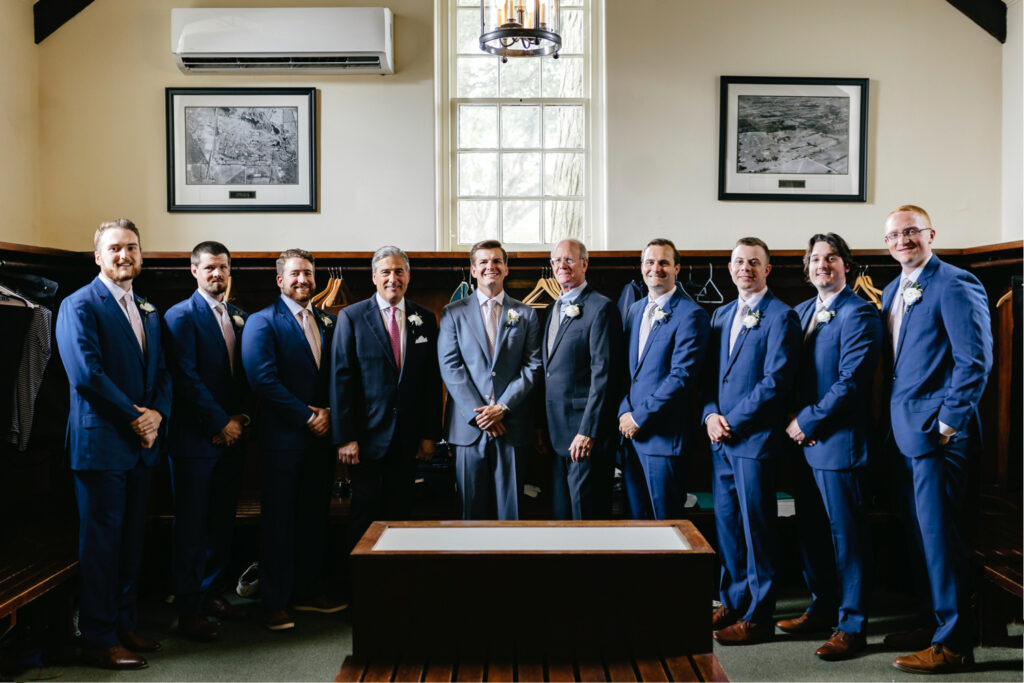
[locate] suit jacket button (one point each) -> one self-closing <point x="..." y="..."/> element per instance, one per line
<point x="549" y="374"/>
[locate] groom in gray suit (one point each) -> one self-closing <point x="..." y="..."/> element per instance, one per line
<point x="489" y="351"/>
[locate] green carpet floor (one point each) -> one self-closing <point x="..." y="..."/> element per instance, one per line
<point x="315" y="649"/>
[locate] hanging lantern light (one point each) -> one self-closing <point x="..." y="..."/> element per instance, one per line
<point x="520" y="28"/>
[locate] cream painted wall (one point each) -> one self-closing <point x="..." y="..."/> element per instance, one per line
<point x="19" y="123"/>
<point x="934" y="123"/>
<point x="1013" y="123"/>
<point x="102" y="84"/>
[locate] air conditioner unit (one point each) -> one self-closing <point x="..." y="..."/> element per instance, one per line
<point x="284" y="40"/>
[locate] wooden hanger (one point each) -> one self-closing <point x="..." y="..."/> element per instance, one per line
<point x="322" y="294"/>
<point x="1005" y="297"/>
<point x="865" y="286"/>
<point x="539" y="290"/>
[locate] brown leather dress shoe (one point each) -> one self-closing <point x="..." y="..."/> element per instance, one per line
<point x="219" y="608"/>
<point x="842" y="645"/>
<point x="723" y="617"/>
<point x="808" y="622"/>
<point x="136" y="643"/>
<point x="744" y="633"/>
<point x="278" y="620"/>
<point x="114" y="657"/>
<point x="918" y="639"/>
<point x="197" y="628"/>
<point x="937" y="659"/>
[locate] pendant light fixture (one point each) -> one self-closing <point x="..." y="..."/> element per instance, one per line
<point x="520" y="28"/>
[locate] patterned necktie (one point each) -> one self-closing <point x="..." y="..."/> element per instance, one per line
<point x="229" y="333"/>
<point x="645" y="325"/>
<point x="553" y="324"/>
<point x="819" y="306"/>
<point x="396" y="337"/>
<point x="134" y="319"/>
<point x="312" y="334"/>
<point x="491" y="320"/>
<point x="737" y="325"/>
<point x="897" y="310"/>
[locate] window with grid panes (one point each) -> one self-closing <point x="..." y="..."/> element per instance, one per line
<point x="519" y="135"/>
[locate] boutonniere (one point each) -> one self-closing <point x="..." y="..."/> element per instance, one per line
<point x="824" y="316"/>
<point x="415" y="320"/>
<point x="912" y="294"/>
<point x="512" y="319"/>
<point x="660" y="315"/>
<point x="145" y="306"/>
<point x="751" y="320"/>
<point x="326" y="320"/>
<point x="238" y="320"/>
<point x="573" y="311"/>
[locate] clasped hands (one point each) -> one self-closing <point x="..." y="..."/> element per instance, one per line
<point x="489" y="419"/>
<point x="794" y="432"/>
<point x="231" y="432"/>
<point x="147" y="425"/>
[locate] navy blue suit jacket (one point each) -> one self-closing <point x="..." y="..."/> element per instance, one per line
<point x="833" y="385"/>
<point x="943" y="358"/>
<point x="749" y="387"/>
<point x="107" y="374"/>
<point x="372" y="403"/>
<point x="582" y="374"/>
<point x="660" y="392"/>
<point x="283" y="375"/>
<point x="206" y="394"/>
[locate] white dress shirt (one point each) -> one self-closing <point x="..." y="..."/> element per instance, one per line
<point x="385" y="315"/>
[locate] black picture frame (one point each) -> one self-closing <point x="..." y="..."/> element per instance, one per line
<point x="271" y="135"/>
<point x="793" y="139"/>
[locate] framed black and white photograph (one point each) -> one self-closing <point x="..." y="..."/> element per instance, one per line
<point x="241" y="149"/>
<point x="793" y="139"/>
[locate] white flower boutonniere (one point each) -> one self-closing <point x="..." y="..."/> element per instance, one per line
<point x="145" y="306"/>
<point x="751" y="320"/>
<point x="824" y="317"/>
<point x="415" y="320"/>
<point x="660" y="315"/>
<point x="512" y="319"/>
<point x="912" y="294"/>
<point x="573" y="311"/>
<point x="326" y="320"/>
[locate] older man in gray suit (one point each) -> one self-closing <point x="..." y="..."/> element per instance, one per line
<point x="489" y="351"/>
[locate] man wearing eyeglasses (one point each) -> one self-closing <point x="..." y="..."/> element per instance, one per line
<point x="937" y="358"/>
<point x="582" y="352"/>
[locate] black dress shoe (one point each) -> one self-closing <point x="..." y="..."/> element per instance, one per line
<point x="136" y="643"/>
<point x="196" y="627"/>
<point x="219" y="608"/>
<point x="114" y="657"/>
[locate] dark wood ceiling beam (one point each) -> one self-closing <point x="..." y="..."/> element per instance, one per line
<point x="988" y="14"/>
<point x="50" y="15"/>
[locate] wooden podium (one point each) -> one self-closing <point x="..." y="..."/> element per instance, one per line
<point x="509" y="596"/>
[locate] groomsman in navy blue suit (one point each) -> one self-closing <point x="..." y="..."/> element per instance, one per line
<point x="755" y="348"/>
<point x="285" y="351"/>
<point x="938" y="357"/>
<point x="832" y="422"/>
<point x="385" y="393"/>
<point x="582" y="354"/>
<point x="109" y="342"/>
<point x="667" y="337"/>
<point x="205" y="446"/>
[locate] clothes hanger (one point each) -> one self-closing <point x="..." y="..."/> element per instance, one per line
<point x="227" y="291"/>
<point x="539" y="290"/>
<point x="712" y="295"/>
<point x="332" y="292"/>
<point x="551" y="285"/>
<point x="342" y="292"/>
<point x="8" y="297"/>
<point x="322" y="294"/>
<point x="1005" y="297"/>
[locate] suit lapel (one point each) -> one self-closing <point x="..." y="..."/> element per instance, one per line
<point x="115" y="311"/>
<point x="567" y="321"/>
<point x="376" y="324"/>
<point x="744" y="332"/>
<point x="291" y="324"/>
<point x="151" y="326"/>
<point x="922" y="281"/>
<point x="655" y="328"/>
<point x="471" y="308"/>
<point x="208" y="323"/>
<point x="499" y="336"/>
<point x="634" y="337"/>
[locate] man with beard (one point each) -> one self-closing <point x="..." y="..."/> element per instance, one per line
<point x="109" y="342"/>
<point x="284" y="351"/>
<point x="206" y="454"/>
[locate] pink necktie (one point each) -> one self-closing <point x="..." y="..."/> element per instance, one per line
<point x="135" y="320"/>
<point x="229" y="333"/>
<point x="312" y="334"/>
<point x="396" y="337"/>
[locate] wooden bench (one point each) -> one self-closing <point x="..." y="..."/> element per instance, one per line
<point x="999" y="562"/>
<point x="590" y="667"/>
<point x="23" y="579"/>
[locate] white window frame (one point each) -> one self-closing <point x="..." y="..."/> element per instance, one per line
<point x="445" y="141"/>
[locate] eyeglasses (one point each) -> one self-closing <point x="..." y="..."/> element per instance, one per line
<point x="908" y="233"/>
<point x="567" y="260"/>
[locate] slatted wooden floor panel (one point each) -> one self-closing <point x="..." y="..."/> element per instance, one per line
<point x="557" y="666"/>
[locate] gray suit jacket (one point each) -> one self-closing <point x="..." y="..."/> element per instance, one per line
<point x="472" y="375"/>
